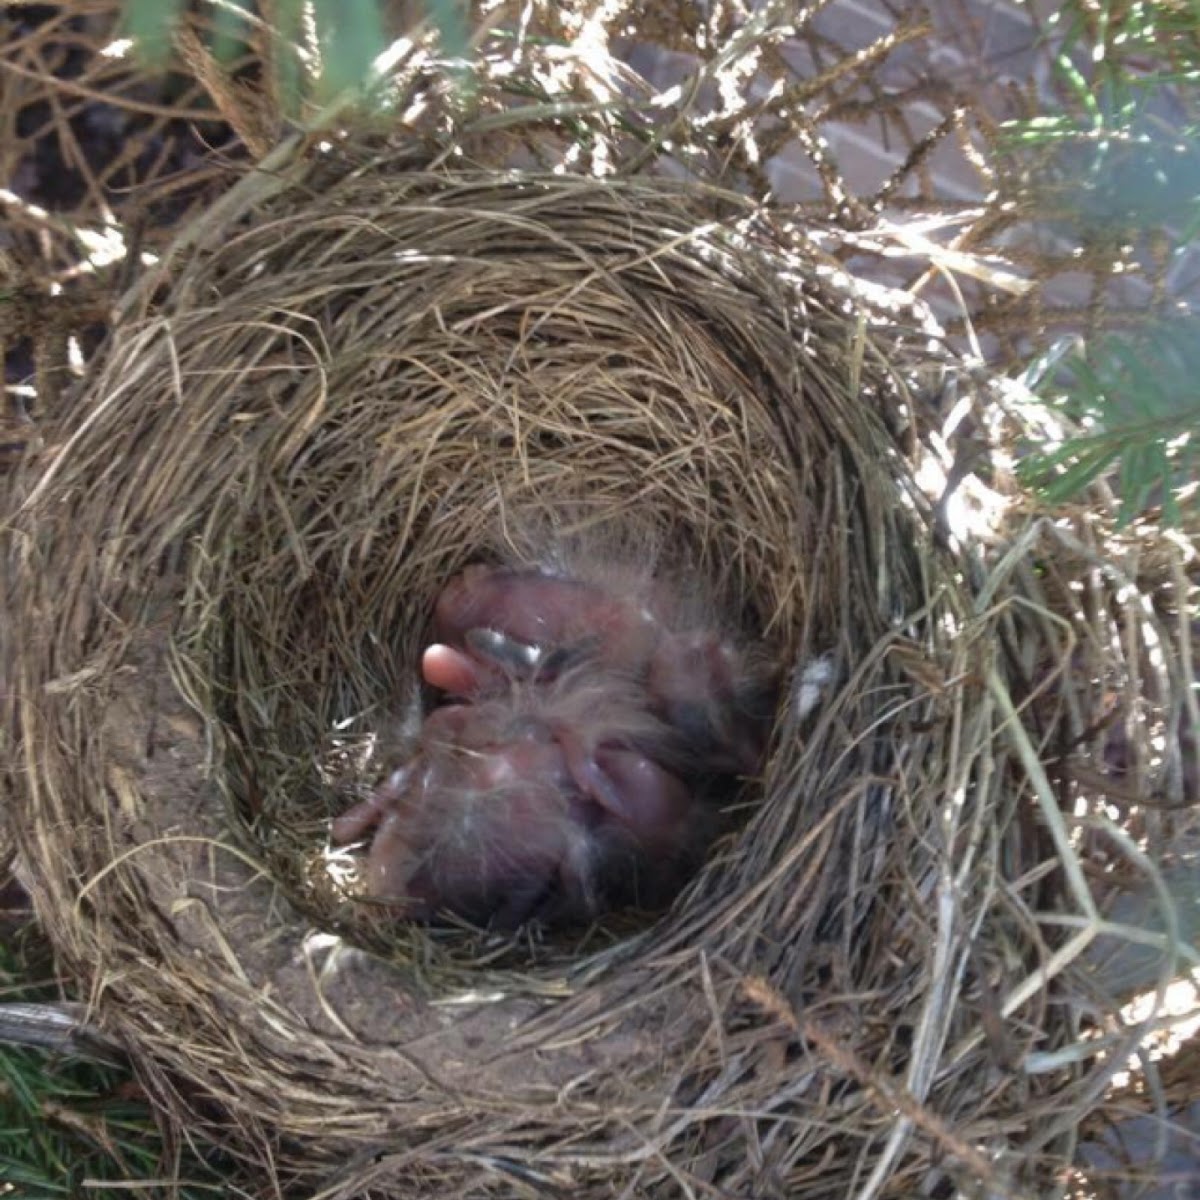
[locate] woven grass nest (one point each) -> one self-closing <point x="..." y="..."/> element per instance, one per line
<point x="222" y="569"/>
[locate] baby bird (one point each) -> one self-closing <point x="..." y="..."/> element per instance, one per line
<point x="547" y="611"/>
<point x="539" y="802"/>
<point x="571" y="770"/>
<point x="495" y="623"/>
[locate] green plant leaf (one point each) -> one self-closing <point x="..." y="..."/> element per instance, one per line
<point x="231" y="29"/>
<point x="285" y="61"/>
<point x="350" y="34"/>
<point x="450" y="20"/>
<point x="150" y="23"/>
<point x="1140" y="397"/>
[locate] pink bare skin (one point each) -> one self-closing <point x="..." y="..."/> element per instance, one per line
<point x="498" y="624"/>
<point x="479" y="830"/>
<point x="541" y="610"/>
<point x="520" y="806"/>
<point x="719" y="702"/>
<point x="563" y="779"/>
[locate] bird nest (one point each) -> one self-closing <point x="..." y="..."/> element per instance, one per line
<point x="336" y="393"/>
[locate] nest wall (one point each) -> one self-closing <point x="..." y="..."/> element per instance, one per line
<point x="325" y="403"/>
